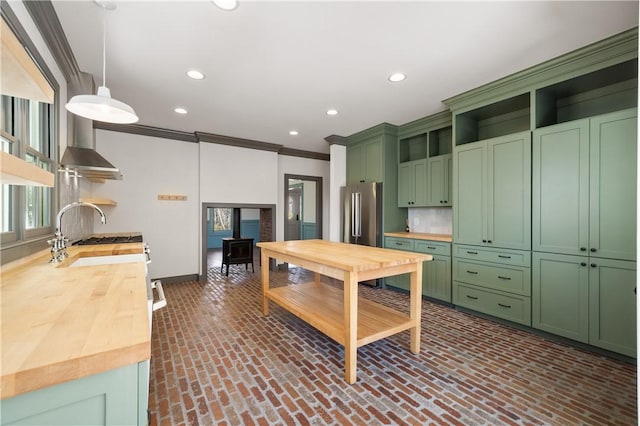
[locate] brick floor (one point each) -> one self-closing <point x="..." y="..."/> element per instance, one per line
<point x="217" y="361"/>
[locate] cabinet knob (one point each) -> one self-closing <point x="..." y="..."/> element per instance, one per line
<point x="583" y="249"/>
<point x="583" y="263"/>
<point x="484" y="241"/>
<point x="593" y="249"/>
<point x="634" y="290"/>
<point x="593" y="265"/>
<point x="489" y="241"/>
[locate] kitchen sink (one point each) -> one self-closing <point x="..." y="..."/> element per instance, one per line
<point x="109" y="260"/>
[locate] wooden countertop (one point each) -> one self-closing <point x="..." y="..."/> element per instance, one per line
<point x="420" y="236"/>
<point x="344" y="256"/>
<point x="61" y="323"/>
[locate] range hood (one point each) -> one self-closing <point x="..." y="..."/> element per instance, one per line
<point x="80" y="154"/>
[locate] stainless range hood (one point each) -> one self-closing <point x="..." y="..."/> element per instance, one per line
<point x="80" y="155"/>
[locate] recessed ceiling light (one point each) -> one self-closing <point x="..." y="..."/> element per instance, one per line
<point x="332" y="111"/>
<point x="293" y="132"/>
<point x="180" y="110"/>
<point x="195" y="74"/>
<point x="398" y="76"/>
<point x="226" y="4"/>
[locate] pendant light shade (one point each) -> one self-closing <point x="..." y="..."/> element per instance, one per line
<point x="101" y="106"/>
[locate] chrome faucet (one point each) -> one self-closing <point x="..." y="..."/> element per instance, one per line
<point x="59" y="243"/>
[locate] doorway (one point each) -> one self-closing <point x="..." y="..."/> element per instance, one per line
<point x="255" y="221"/>
<point x="302" y="207"/>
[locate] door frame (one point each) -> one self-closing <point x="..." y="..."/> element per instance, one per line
<point x="318" y="181"/>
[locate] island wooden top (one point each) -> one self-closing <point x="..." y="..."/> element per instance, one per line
<point x="420" y="236"/>
<point x="344" y="256"/>
<point x="61" y="323"/>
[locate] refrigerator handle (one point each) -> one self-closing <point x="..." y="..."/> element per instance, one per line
<point x="356" y="212"/>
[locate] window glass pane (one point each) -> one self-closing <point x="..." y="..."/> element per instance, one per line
<point x="35" y="126"/>
<point x="222" y="219"/>
<point x="30" y="212"/>
<point x="7" y="208"/>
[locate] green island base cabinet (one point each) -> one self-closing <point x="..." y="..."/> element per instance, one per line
<point x="115" y="397"/>
<point x="587" y="299"/>
<point x="436" y="274"/>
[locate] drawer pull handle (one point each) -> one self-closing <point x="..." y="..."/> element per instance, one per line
<point x="504" y="278"/>
<point x="398" y="243"/>
<point x="504" y="257"/>
<point x="472" y="252"/>
<point x="432" y="248"/>
<point x="472" y="272"/>
<point x="504" y="306"/>
<point x="472" y="297"/>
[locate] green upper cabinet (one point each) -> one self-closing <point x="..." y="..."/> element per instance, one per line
<point x="584" y="186"/>
<point x="412" y="184"/>
<point x="492" y="204"/>
<point x="612" y="184"/>
<point x="439" y="180"/>
<point x="365" y="161"/>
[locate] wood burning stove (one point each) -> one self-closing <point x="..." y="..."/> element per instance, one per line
<point x="237" y="251"/>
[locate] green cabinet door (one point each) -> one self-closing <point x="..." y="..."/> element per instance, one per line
<point x="612" y="305"/>
<point x="406" y="184"/>
<point x="560" y="295"/>
<point x="355" y="161"/>
<point x="373" y="167"/>
<point x="509" y="191"/>
<point x="436" y="278"/>
<point x="412" y="181"/>
<point x="469" y="204"/>
<point x="560" y="189"/>
<point x="612" y="212"/>
<point x="439" y="171"/>
<point x="115" y="397"/>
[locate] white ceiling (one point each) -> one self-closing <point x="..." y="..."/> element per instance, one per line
<point x="276" y="66"/>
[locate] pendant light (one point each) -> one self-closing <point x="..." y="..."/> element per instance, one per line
<point x="101" y="106"/>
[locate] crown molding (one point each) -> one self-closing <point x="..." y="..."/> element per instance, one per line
<point x="139" y="129"/>
<point x="304" y="154"/>
<point x="336" y="140"/>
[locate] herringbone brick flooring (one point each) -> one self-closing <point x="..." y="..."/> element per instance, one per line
<point x="217" y="361"/>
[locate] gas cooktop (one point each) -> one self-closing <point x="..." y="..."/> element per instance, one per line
<point x="111" y="239"/>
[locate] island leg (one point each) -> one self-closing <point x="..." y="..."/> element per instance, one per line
<point x="416" y="304"/>
<point x="264" y="275"/>
<point x="351" y="327"/>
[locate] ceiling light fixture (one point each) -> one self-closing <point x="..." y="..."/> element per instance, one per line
<point x="396" y="77"/>
<point x="101" y="106"/>
<point x="226" y="4"/>
<point x="180" y="110"/>
<point x="293" y="132"/>
<point x="332" y="112"/>
<point x="195" y="74"/>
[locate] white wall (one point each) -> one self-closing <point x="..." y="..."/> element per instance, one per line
<point x="153" y="166"/>
<point x="306" y="167"/>
<point x="338" y="178"/>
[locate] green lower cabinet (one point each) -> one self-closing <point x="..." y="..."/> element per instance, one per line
<point x="436" y="278"/>
<point x="612" y="305"/>
<point x="587" y="299"/>
<point x="560" y="295"/>
<point x="115" y="397"/>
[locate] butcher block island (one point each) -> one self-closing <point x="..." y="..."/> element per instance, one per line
<point x="76" y="340"/>
<point x="339" y="313"/>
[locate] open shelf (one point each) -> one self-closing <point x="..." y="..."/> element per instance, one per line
<point x="99" y="201"/>
<point x="607" y="90"/>
<point x="440" y="141"/>
<point x="501" y="118"/>
<point x="412" y="148"/>
<point x="322" y="306"/>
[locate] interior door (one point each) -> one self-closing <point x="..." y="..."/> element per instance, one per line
<point x="294" y="212"/>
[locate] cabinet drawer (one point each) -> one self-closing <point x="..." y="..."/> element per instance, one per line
<point x="399" y="243"/>
<point x="507" y="257"/>
<point x="433" y="247"/>
<point x="512" y="279"/>
<point x="507" y="306"/>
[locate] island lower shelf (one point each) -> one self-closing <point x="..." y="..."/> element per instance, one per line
<point x="322" y="306"/>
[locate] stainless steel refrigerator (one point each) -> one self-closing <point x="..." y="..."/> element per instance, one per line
<point x="362" y="214"/>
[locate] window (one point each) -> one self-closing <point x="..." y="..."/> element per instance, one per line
<point x="222" y="219"/>
<point x="27" y="132"/>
